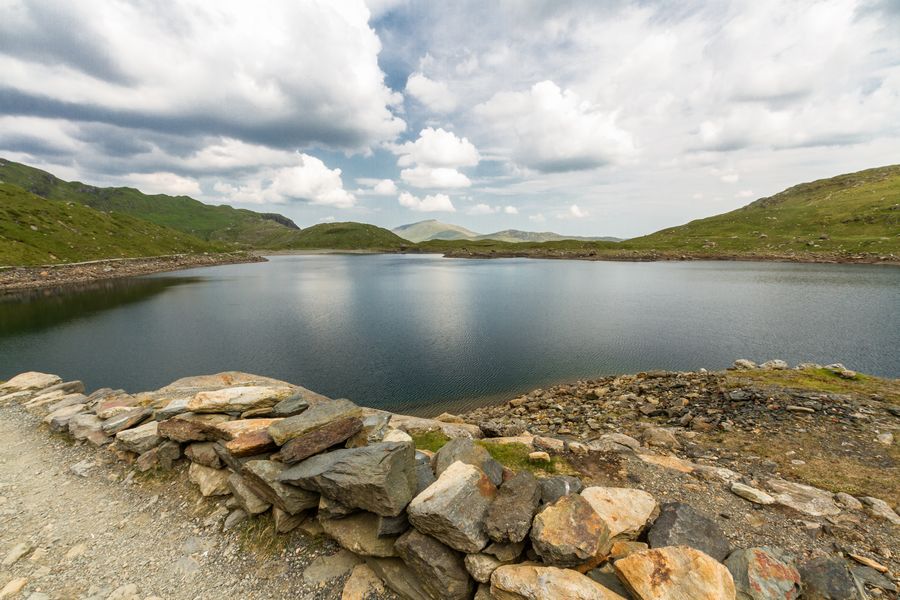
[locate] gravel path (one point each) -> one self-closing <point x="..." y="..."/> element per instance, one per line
<point x="104" y="536"/>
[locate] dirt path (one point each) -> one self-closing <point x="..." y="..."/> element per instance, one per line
<point x="88" y="536"/>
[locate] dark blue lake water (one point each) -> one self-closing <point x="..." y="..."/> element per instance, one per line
<point x="423" y="333"/>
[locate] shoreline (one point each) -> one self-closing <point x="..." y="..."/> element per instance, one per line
<point x="16" y="279"/>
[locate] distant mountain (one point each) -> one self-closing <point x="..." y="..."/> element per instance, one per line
<point x="241" y="227"/>
<point x="37" y="231"/>
<point x="432" y="229"/>
<point x="847" y="214"/>
<point x="345" y="236"/>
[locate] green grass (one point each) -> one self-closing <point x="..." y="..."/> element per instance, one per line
<point x="821" y="380"/>
<point x="513" y="456"/>
<point x="36" y="231"/>
<point x="223" y="224"/>
<point x="344" y="236"/>
<point x="429" y="440"/>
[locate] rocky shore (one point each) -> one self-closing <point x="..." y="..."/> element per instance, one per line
<point x="606" y="489"/>
<point x="25" y="278"/>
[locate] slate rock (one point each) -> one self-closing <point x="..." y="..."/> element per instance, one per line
<point x="140" y="439"/>
<point x="626" y="511"/>
<point x="285" y="522"/>
<point x="535" y="582"/>
<point x="679" y="524"/>
<point x="399" y="577"/>
<point x="496" y="429"/>
<point x="246" y="498"/>
<point x="212" y="482"/>
<point x="379" y="478"/>
<point x="454" y="507"/>
<point x="509" y="516"/>
<point x="191" y="427"/>
<point x="441" y="569"/>
<point x="569" y="533"/>
<point x="481" y="566"/>
<point x="388" y="526"/>
<point x="203" y="453"/>
<point x="235" y="518"/>
<point x="752" y="494"/>
<point x="880" y="509"/>
<point x="763" y="574"/>
<point x="554" y="488"/>
<point x="67" y="400"/>
<point x="31" y="380"/>
<point x="262" y="477"/>
<point x="827" y="578"/>
<point x="359" y="533"/>
<point x="238" y="399"/>
<point x="126" y="420"/>
<point x="320" y="439"/>
<point x="374" y="426"/>
<point x="310" y="420"/>
<point x="675" y="573"/>
<point x="162" y="457"/>
<point x="334" y="509"/>
<point x="88" y="427"/>
<point x="803" y="498"/>
<point x="424" y="472"/>
<point x="465" y="450"/>
<point x="59" y="420"/>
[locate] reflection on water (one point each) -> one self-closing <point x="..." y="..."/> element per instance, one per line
<point x="422" y="334"/>
<point x="34" y="310"/>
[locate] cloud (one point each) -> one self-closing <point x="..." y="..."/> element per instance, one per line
<point x="328" y="219"/>
<point x="377" y="187"/>
<point x="435" y="203"/>
<point x="482" y="209"/>
<point x="433" y="94"/>
<point x="511" y="210"/>
<point x="195" y="68"/>
<point x="538" y="218"/>
<point x="744" y="194"/>
<point x="427" y="177"/>
<point x="576" y="212"/>
<point x="310" y="180"/>
<point x="550" y="129"/>
<point x="437" y="148"/>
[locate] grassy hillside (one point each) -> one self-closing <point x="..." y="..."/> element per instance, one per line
<point x="241" y="227"/>
<point x="34" y="230"/>
<point x="345" y="236"/>
<point x="848" y="214"/>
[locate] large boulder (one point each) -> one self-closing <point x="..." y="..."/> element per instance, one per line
<point x="88" y="427"/>
<point x="30" y="380"/>
<point x="763" y="574"/>
<point x="827" y="578"/>
<point x="245" y="496"/>
<point x="239" y="399"/>
<point x="454" y="507"/>
<point x="140" y="439"/>
<point x="126" y="419"/>
<point x="680" y="525"/>
<point x="675" y="573"/>
<point x="626" y="511"/>
<point x="569" y="533"/>
<point x="465" y="450"/>
<point x="314" y="418"/>
<point x="203" y="453"/>
<point x="533" y="582"/>
<point x="247" y="437"/>
<point x="509" y="516"/>
<point x="440" y="568"/>
<point x="803" y="498"/>
<point x="379" y="478"/>
<point x="554" y="488"/>
<point x="59" y="420"/>
<point x="359" y="533"/>
<point x="399" y="577"/>
<point x="320" y="439"/>
<point x="261" y="476"/>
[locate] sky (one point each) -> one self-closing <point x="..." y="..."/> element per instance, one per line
<point x="585" y="117"/>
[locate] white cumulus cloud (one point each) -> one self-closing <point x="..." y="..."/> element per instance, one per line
<point x="430" y="203"/>
<point x="436" y="95"/>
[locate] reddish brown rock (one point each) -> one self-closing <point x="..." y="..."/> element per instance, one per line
<point x="314" y="442"/>
<point x="569" y="533"/>
<point x="230" y="430"/>
<point x="191" y="427"/>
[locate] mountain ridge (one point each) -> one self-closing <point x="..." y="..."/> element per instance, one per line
<point x="433" y="229"/>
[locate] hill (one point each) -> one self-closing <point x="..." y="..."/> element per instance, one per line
<point x="432" y="230"/>
<point x="34" y="231"/>
<point x="345" y="236"/>
<point x="848" y="214"/>
<point x="241" y="227"/>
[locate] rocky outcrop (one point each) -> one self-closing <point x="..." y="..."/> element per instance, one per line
<point x="675" y="573"/>
<point x="569" y="533"/>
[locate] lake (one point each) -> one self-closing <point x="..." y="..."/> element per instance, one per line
<point x="423" y="334"/>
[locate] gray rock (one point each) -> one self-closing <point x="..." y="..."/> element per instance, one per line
<point x="388" y="526"/>
<point x="329" y="567"/>
<point x="333" y="509"/>
<point x="424" y="472"/>
<point x="399" y="578"/>
<point x="827" y="579"/>
<point x="374" y="426"/>
<point x="88" y="427"/>
<point x="67" y="400"/>
<point x="286" y="522"/>
<point x="59" y="420"/>
<point x="239" y="399"/>
<point x="290" y="407"/>
<point x="880" y="509"/>
<point x="234" y="518"/>
<point x="554" y="488"/>
<point x="606" y="576"/>
<point x="212" y="482"/>
<point x="379" y="478"/>
<point x="569" y="532"/>
<point x="480" y="566"/>
<point x="309" y="421"/>
<point x="126" y="420"/>
<point x="505" y="428"/>
<point x="774" y="365"/>
<point x="465" y="450"/>
<point x="162" y="457"/>
<point x="246" y="498"/>
<point x="505" y="552"/>
<point x="680" y="525"/>
<point x="140" y="439"/>
<point x="803" y="498"/>
<point x="203" y="453"/>
<point x="454" y="507"/>
<point x="509" y="516"/>
<point x="359" y="533"/>
<point x="871" y="577"/>
<point x="262" y="477"/>
<point x="440" y="569"/>
<point x="763" y="574"/>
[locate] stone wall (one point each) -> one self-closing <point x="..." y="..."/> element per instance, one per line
<point x="454" y="524"/>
